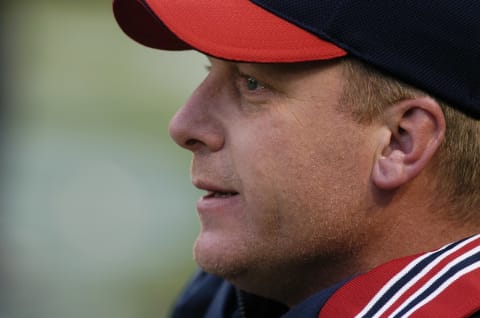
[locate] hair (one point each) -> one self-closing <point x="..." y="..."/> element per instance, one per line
<point x="455" y="168"/>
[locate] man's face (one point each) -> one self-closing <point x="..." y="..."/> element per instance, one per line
<point x="286" y="174"/>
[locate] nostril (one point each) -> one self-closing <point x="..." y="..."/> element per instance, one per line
<point x="191" y="142"/>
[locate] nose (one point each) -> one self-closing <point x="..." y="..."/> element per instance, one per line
<point x="196" y="126"/>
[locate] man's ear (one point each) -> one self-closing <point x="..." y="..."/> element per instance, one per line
<point x="414" y="130"/>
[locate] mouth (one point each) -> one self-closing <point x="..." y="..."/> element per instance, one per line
<point x="214" y="190"/>
<point x="219" y="199"/>
<point x="219" y="194"/>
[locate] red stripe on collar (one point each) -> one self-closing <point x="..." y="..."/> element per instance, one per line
<point x="442" y="283"/>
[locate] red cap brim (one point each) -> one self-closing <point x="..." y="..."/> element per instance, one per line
<point x="235" y="30"/>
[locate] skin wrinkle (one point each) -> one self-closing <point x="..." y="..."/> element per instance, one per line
<point x="296" y="118"/>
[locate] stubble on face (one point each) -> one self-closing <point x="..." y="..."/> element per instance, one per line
<point x="300" y="187"/>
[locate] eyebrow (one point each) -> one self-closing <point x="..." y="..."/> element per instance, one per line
<point x="277" y="73"/>
<point x="274" y="70"/>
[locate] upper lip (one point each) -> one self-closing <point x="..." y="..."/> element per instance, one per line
<point x="211" y="187"/>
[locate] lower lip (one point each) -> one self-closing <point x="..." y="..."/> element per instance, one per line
<point x="217" y="204"/>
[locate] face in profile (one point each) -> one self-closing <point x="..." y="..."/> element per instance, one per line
<point x="283" y="170"/>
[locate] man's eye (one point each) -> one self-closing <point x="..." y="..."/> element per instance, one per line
<point x="250" y="86"/>
<point x="252" y="83"/>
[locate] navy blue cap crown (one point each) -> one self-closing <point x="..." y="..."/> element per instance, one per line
<point x="431" y="44"/>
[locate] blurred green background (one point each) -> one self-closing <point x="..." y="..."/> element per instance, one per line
<point x="98" y="215"/>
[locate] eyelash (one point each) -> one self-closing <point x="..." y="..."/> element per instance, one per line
<point x="248" y="80"/>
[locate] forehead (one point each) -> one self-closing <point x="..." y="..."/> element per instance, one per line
<point x="279" y="69"/>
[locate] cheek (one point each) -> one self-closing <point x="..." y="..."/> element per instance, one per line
<point x="275" y="180"/>
<point x="295" y="180"/>
<point x="260" y="164"/>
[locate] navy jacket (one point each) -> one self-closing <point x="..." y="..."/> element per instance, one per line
<point x="208" y="296"/>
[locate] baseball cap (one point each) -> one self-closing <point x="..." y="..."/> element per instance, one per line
<point x="433" y="45"/>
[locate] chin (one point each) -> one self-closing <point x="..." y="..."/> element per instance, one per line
<point x="249" y="267"/>
<point x="224" y="257"/>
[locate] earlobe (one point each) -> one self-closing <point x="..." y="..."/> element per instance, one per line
<point x="414" y="130"/>
<point x="389" y="171"/>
